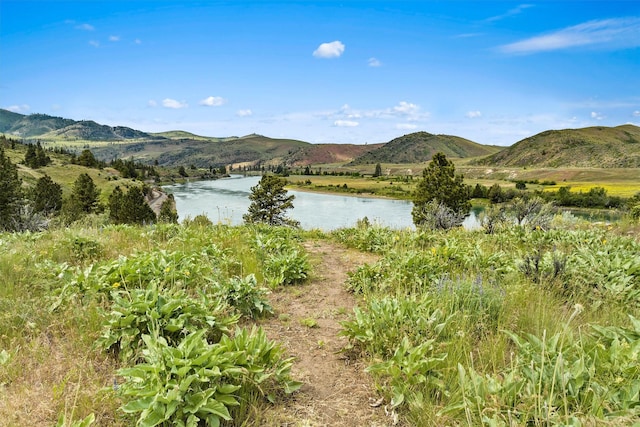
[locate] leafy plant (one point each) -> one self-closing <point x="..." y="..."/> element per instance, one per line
<point x="245" y="296"/>
<point x="169" y="313"/>
<point x="196" y="383"/>
<point x="182" y="385"/>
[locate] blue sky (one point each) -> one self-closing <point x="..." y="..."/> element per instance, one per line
<point x="356" y="72"/>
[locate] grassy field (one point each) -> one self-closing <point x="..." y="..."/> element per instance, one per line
<point x="396" y="182"/>
<point x="517" y="327"/>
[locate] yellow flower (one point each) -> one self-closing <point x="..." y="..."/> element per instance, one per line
<point x="433" y="251"/>
<point x="168" y="269"/>
<point x="116" y="285"/>
<point x="604" y="241"/>
<point x="186" y="273"/>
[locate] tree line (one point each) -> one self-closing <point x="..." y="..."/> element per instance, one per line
<point x="33" y="208"/>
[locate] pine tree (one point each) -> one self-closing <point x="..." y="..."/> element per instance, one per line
<point x="116" y="202"/>
<point x="41" y="157"/>
<point x="136" y="208"/>
<point x="269" y="202"/>
<point x="378" y="171"/>
<point x="30" y="158"/>
<point x="87" y="159"/>
<point x="85" y="193"/>
<point x="168" y="211"/>
<point x="10" y="193"/>
<point x="130" y="208"/>
<point x="440" y="183"/>
<point x="46" y="196"/>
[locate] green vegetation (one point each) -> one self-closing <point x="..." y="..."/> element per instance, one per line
<point x="517" y="327"/>
<point x="163" y="316"/>
<point x="269" y="203"/>
<point x="441" y="199"/>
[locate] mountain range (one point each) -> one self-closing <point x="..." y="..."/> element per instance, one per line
<point x="609" y="147"/>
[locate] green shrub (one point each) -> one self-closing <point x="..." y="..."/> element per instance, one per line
<point x="169" y="313"/>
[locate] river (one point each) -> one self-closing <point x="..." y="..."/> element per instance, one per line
<point x="226" y="200"/>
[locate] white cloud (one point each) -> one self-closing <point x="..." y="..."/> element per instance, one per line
<point x="329" y="50"/>
<point x="18" y="108"/>
<point x="636" y="113"/>
<point x="244" y="113"/>
<point x="172" y="103"/>
<point x="373" y="62"/>
<point x="94" y="43"/>
<point x="406" y="126"/>
<point x="611" y="33"/>
<point x="137" y="41"/>
<point x="213" y="101"/>
<point x="474" y="114"/>
<point x="596" y="116"/>
<point x="515" y="11"/>
<point x="406" y="108"/>
<point x="114" y="38"/>
<point x="85" y="27"/>
<point x="345" y="123"/>
<point x="152" y="103"/>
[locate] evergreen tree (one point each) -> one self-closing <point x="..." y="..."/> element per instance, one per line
<point x="41" y="157"/>
<point x="440" y="183"/>
<point x="87" y="159"/>
<point x="182" y="171"/>
<point x="30" y="158"/>
<point x="496" y="194"/>
<point x="130" y="208"/>
<point x="10" y="193"/>
<point x="168" y="211"/>
<point x="269" y="202"/>
<point x="46" y="196"/>
<point x="136" y="209"/>
<point x="85" y="194"/>
<point x="378" y="171"/>
<point x="116" y="206"/>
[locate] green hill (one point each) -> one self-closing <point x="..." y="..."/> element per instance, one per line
<point x="181" y="134"/>
<point x="50" y="128"/>
<point x="88" y="130"/>
<point x="420" y="147"/>
<point x="205" y="152"/>
<point x="22" y="126"/>
<point x="600" y="147"/>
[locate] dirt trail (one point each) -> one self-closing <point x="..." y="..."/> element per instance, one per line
<point x="336" y="391"/>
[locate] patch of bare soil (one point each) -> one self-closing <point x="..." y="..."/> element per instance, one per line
<point x="336" y="390"/>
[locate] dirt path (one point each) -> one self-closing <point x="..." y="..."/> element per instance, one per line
<point x="336" y="391"/>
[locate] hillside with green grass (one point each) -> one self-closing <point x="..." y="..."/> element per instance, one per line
<point x="420" y="147"/>
<point x="598" y="147"/>
<point x="171" y="148"/>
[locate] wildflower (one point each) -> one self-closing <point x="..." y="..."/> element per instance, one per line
<point x="116" y="285"/>
<point x="168" y="269"/>
<point x="433" y="251"/>
<point x="604" y="241"/>
<point x="186" y="273"/>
